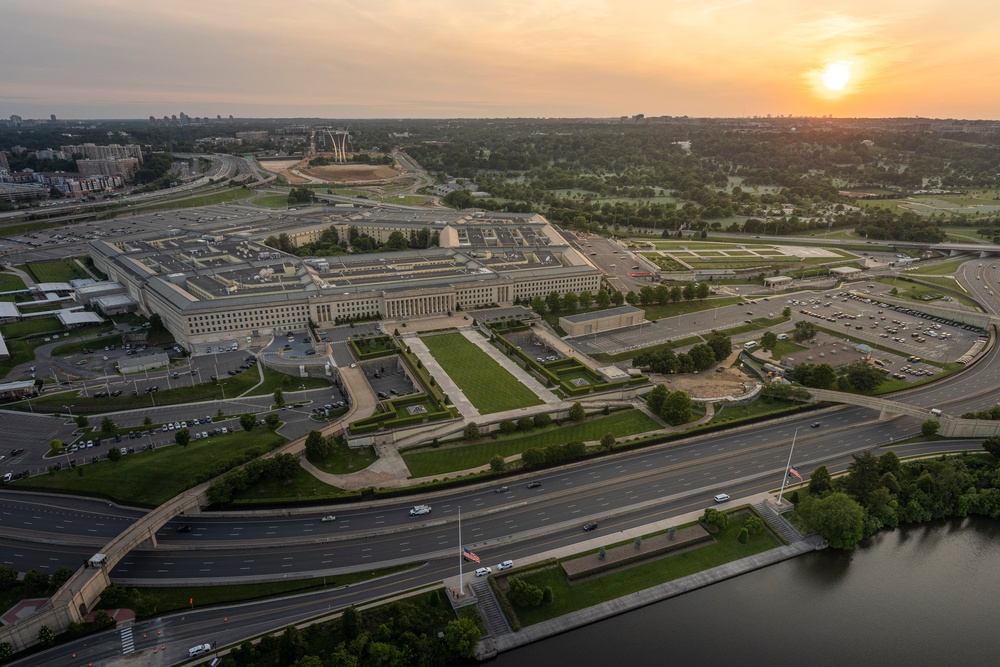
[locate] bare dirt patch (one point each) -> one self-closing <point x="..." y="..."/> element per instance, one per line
<point x="299" y="171"/>
<point x="730" y="382"/>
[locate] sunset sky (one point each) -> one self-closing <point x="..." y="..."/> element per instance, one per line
<point x="499" y="58"/>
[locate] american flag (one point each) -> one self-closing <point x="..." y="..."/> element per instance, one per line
<point x="468" y="555"/>
<point x="793" y="471"/>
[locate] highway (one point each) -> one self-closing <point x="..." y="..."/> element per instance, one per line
<point x="618" y="492"/>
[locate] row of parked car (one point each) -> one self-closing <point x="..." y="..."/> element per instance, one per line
<point x="176" y="426"/>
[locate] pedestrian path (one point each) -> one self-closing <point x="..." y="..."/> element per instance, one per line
<point x="448" y="386"/>
<point x="778" y="522"/>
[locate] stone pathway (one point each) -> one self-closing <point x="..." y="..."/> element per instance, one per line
<point x="448" y="386"/>
<point x="489" y="608"/>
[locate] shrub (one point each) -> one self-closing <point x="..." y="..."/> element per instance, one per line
<point x="525" y="594"/>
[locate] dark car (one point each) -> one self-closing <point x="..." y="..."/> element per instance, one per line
<point x="590" y="526"/>
<point x="184" y="529"/>
<point x="502" y="489"/>
<point x="815" y="425"/>
<point x="534" y="485"/>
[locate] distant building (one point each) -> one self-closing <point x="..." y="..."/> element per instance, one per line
<point x="601" y="320"/>
<point x="110" y="152"/>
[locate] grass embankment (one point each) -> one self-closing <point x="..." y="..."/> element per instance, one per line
<point x="176" y="599"/>
<point x="427" y="462"/>
<point x="204" y="199"/>
<point x="57" y="271"/>
<point x="153" y="477"/>
<point x="484" y="382"/>
<point x="567" y="598"/>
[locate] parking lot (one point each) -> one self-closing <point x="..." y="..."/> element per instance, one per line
<point x="387" y="378"/>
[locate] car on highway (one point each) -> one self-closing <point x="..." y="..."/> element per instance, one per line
<point x="419" y="510"/>
<point x="815" y="425"/>
<point x="721" y="497"/>
<point x="186" y="528"/>
<point x="506" y="565"/>
<point x="534" y="485"/>
<point x="590" y="526"/>
<point x="483" y="571"/>
<point x="502" y="489"/>
<point x="328" y="517"/>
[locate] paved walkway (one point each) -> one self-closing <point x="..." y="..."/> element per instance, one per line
<point x="389" y="471"/>
<point x="448" y="386"/>
<point x="28" y="280"/>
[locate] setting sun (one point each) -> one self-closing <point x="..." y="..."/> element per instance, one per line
<point x="836" y="75"/>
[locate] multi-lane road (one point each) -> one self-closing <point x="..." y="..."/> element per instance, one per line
<point x="618" y="492"/>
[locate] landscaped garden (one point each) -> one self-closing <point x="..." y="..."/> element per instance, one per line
<point x="487" y="385"/>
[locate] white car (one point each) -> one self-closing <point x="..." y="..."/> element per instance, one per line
<point x="506" y="565"/>
<point x="329" y="517"/>
<point x="420" y="509"/>
<point x="721" y="497"/>
<point x="483" y="571"/>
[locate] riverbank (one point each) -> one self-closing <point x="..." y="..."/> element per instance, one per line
<point x="501" y="638"/>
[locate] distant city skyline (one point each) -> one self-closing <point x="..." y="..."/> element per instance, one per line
<point x="545" y="58"/>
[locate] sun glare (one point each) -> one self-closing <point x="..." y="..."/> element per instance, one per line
<point x="836" y="75"/>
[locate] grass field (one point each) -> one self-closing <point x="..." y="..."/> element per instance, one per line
<point x="151" y="478"/>
<point x="429" y="461"/>
<point x="9" y="282"/>
<point x="302" y="487"/>
<point x="271" y="201"/>
<point x="60" y="271"/>
<point x="206" y="199"/>
<point x="38" y="325"/>
<point x="484" y="382"/>
<point x="944" y="269"/>
<point x="567" y="598"/>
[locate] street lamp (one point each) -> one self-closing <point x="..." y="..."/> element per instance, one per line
<point x="784" y="478"/>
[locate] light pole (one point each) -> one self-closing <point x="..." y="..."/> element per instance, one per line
<point x="784" y="478"/>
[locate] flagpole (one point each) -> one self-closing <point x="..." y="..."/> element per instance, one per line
<point x="788" y="465"/>
<point x="461" y="585"/>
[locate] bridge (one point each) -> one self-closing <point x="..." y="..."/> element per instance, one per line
<point x="951" y="427"/>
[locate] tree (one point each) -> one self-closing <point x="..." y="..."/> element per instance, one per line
<point x="108" y="426"/>
<point x="688" y="292"/>
<point x="570" y="301"/>
<point x="497" y="464"/>
<point x="350" y="623"/>
<point x="248" y="421"/>
<point x="655" y="398"/>
<point x="608" y="441"/>
<point x="617" y="298"/>
<point x="713" y="517"/>
<point x="317" y="447"/>
<point x="553" y="302"/>
<point x="838" y="518"/>
<point x="586" y="298"/>
<point x="547" y="595"/>
<point x="631" y="298"/>
<point x="820" y="482"/>
<point x="8" y="577"/>
<point x="538" y="305"/>
<point x="754" y="525"/>
<point x="864" y="377"/>
<point x="461" y="637"/>
<point x="576" y="412"/>
<point x="676" y="408"/>
<point x="603" y="299"/>
<point x="929" y="427"/>
<point x="524" y="594"/>
<point x="45" y="635"/>
<point x="542" y="419"/>
<point x="471" y="431"/>
<point x="82" y="421"/>
<point x="804" y="330"/>
<point x="786" y="312"/>
<point x="61" y="576"/>
<point x="744" y="535"/>
<point x="992" y="445"/>
<point x="525" y="424"/>
<point x="507" y="426"/>
<point x="279" y="397"/>
<point x="6" y="651"/>
<point x="36" y="581"/>
<point x="272" y="420"/>
<point x="55" y="446"/>
<point x="533" y="457"/>
<point x="721" y="345"/>
<point x="182" y="437"/>
<point x="702" y="291"/>
<point x="769" y="340"/>
<point x="147" y="421"/>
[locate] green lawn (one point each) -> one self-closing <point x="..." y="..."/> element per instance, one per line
<point x="60" y="271"/>
<point x="483" y="381"/>
<point x="151" y="478"/>
<point x="302" y="487"/>
<point x="567" y="598"/>
<point x="78" y="346"/>
<point x="9" y="282"/>
<point x="37" y="325"/>
<point x="271" y="201"/>
<point x="427" y="462"/>
<point x="206" y="199"/>
<point x="947" y="268"/>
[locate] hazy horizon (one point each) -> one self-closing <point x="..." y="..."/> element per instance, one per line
<point x="389" y="59"/>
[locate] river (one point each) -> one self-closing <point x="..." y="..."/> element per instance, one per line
<point x="921" y="595"/>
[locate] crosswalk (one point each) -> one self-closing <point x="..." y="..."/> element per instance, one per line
<point x="128" y="645"/>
